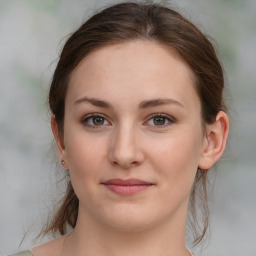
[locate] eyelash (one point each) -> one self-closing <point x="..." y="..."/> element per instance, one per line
<point x="86" y="119"/>
<point x="167" y="118"/>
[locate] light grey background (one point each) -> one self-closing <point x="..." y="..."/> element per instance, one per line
<point x="31" y="35"/>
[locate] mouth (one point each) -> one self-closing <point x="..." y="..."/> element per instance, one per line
<point x="127" y="187"/>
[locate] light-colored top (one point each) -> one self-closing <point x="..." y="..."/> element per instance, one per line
<point x="28" y="253"/>
<point x="23" y="253"/>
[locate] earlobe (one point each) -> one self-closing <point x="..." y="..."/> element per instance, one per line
<point x="59" y="142"/>
<point x="215" y="141"/>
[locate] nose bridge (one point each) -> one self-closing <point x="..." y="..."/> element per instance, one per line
<point x="126" y="150"/>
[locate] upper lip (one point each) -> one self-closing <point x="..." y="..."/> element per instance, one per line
<point x="126" y="182"/>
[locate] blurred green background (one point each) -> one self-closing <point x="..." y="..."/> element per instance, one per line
<point x="31" y="35"/>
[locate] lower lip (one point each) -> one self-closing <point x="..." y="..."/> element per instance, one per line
<point x="128" y="189"/>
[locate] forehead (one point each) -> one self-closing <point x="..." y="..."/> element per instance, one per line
<point x="130" y="53"/>
<point x="140" y="67"/>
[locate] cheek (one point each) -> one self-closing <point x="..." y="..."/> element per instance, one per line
<point x="85" y="153"/>
<point x="176" y="171"/>
<point x="176" y="159"/>
<point x="85" y="158"/>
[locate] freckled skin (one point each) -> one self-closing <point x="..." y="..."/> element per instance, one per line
<point x="167" y="157"/>
<point x="162" y="144"/>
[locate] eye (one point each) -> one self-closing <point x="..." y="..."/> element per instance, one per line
<point x="160" y="120"/>
<point x="95" y="120"/>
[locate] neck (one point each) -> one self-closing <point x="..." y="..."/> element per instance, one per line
<point x="164" y="239"/>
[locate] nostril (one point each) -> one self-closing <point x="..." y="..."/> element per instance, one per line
<point x="126" y="165"/>
<point x="115" y="163"/>
<point x="135" y="163"/>
<point x="125" y="155"/>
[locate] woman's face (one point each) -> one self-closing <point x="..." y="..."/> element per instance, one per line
<point x="133" y="136"/>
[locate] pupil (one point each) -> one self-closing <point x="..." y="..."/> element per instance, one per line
<point x="98" y="120"/>
<point x="159" y="120"/>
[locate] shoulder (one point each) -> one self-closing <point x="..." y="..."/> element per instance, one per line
<point x="192" y="253"/>
<point x="52" y="248"/>
<point x="23" y="253"/>
<point x="49" y="248"/>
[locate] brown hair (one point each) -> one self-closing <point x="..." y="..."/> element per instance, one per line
<point x="144" y="21"/>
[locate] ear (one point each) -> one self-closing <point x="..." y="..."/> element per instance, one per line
<point x="214" y="141"/>
<point x="59" y="142"/>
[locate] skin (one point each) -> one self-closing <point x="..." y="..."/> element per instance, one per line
<point x="127" y="142"/>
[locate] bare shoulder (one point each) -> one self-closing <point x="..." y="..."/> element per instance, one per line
<point x="53" y="248"/>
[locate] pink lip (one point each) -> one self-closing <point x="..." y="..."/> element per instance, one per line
<point x="127" y="187"/>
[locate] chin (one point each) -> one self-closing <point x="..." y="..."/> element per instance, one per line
<point x="127" y="225"/>
<point x="130" y="219"/>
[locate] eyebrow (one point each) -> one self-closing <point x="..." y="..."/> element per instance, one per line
<point x="158" y="102"/>
<point x="144" y="104"/>
<point x="95" y="102"/>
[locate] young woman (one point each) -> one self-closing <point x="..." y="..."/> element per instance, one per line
<point x="139" y="119"/>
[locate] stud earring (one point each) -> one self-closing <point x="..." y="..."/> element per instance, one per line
<point x="62" y="162"/>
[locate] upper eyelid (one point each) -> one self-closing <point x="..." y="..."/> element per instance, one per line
<point x="170" y="120"/>
<point x="162" y="115"/>
<point x="84" y="118"/>
<point x="93" y="115"/>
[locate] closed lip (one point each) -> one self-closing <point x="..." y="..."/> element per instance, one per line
<point x="126" y="182"/>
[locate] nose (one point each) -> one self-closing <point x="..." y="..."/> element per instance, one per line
<point x="126" y="151"/>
